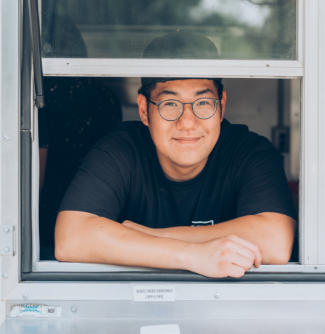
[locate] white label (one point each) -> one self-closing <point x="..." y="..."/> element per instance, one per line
<point x="160" y="329"/>
<point x="35" y="311"/>
<point x="154" y="293"/>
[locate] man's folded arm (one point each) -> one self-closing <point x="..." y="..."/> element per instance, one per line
<point x="273" y="233"/>
<point x="84" y="237"/>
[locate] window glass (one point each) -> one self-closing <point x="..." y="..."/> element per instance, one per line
<point x="241" y="29"/>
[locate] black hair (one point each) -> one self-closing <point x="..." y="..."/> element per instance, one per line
<point x="147" y="89"/>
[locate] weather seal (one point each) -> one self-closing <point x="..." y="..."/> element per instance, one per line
<point x="171" y="276"/>
<point x="26" y="146"/>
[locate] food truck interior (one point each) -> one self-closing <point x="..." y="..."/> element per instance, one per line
<point x="80" y="110"/>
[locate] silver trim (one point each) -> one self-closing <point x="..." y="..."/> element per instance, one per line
<point x="55" y="266"/>
<point x="172" y="68"/>
<point x="10" y="40"/>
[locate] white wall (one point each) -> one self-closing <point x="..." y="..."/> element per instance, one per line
<point x="252" y="102"/>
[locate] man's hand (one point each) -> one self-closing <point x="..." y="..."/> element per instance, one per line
<point x="273" y="233"/>
<point x="228" y="256"/>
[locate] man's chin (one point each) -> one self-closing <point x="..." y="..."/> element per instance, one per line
<point x="184" y="161"/>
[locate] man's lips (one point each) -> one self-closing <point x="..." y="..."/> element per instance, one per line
<point x="187" y="140"/>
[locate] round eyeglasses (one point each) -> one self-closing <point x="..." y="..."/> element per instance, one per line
<point x="171" y="110"/>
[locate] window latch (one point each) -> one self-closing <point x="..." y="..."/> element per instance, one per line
<point x="7" y="240"/>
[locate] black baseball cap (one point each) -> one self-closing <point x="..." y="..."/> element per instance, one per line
<point x="179" y="45"/>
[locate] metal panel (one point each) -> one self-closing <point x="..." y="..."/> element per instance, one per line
<point x="223" y="325"/>
<point x="185" y="291"/>
<point x="9" y="123"/>
<point x="7" y="240"/>
<point x="2" y="273"/>
<point x="321" y="125"/>
<point x="172" y="67"/>
<point x="310" y="171"/>
<point x="55" y="266"/>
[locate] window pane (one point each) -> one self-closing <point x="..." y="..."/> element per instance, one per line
<point x="241" y="29"/>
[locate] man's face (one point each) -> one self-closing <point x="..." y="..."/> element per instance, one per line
<point x="187" y="141"/>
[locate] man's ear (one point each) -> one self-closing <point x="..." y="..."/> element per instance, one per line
<point x="143" y="106"/>
<point x="223" y="104"/>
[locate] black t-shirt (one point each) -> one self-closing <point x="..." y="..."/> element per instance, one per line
<point x="121" y="179"/>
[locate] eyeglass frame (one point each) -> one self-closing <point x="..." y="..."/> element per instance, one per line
<point x="192" y="103"/>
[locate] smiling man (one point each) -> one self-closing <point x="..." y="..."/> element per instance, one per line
<point x="184" y="188"/>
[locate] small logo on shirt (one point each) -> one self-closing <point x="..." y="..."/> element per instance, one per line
<point x="203" y="223"/>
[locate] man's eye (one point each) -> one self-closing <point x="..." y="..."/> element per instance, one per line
<point x="170" y="104"/>
<point x="203" y="103"/>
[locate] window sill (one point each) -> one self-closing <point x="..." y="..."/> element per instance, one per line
<point x="67" y="267"/>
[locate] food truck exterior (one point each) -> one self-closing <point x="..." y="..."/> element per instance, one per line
<point x="101" y="298"/>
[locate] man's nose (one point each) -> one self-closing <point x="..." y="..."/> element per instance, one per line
<point x="188" y="120"/>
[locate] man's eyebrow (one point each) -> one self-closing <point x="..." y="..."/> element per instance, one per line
<point x="201" y="92"/>
<point x="167" y="92"/>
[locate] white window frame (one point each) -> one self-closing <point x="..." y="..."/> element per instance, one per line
<point x="309" y="67"/>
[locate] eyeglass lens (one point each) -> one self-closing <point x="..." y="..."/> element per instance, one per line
<point x="172" y="109"/>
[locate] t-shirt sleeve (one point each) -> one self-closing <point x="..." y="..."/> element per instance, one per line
<point x="263" y="186"/>
<point x="99" y="186"/>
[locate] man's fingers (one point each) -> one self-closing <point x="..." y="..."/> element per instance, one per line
<point x="253" y="247"/>
<point x="244" y="251"/>
<point x="236" y="271"/>
<point x="241" y="261"/>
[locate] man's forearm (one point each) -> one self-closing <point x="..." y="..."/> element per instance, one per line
<point x="100" y="240"/>
<point x="273" y="233"/>
<point x="83" y="237"/>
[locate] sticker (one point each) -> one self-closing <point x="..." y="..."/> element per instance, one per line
<point x="35" y="311"/>
<point x="154" y="293"/>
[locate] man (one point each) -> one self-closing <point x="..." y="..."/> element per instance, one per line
<point x="183" y="189"/>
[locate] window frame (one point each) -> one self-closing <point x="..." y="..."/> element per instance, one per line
<point x="200" y="68"/>
<point x="181" y="68"/>
<point x="16" y="170"/>
<point x="184" y="68"/>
